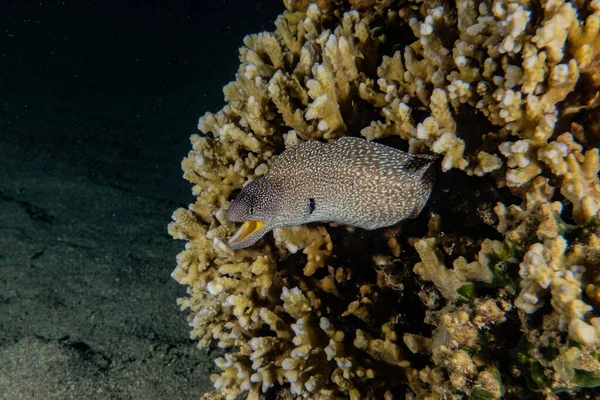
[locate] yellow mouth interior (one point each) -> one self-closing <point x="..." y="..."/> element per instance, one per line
<point x="247" y="228"/>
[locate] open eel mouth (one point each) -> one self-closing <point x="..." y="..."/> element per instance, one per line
<point x="248" y="228"/>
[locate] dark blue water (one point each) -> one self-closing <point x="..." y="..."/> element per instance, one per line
<point x="97" y="103"/>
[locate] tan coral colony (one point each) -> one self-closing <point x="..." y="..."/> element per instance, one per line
<point x="493" y="291"/>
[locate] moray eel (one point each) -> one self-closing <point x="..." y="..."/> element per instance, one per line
<point x="350" y="181"/>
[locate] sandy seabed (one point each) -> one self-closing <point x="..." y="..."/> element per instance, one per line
<point x="87" y="305"/>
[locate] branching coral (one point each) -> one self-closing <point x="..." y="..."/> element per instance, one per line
<point x="506" y="92"/>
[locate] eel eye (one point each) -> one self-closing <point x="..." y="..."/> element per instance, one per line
<point x="251" y="210"/>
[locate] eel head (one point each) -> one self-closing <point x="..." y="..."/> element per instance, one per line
<point x="263" y="205"/>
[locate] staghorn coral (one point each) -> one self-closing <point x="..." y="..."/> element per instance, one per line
<point x="507" y="93"/>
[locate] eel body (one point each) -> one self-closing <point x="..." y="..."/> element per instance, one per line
<point x="350" y="181"/>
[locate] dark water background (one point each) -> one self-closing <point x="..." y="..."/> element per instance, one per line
<point x="97" y="102"/>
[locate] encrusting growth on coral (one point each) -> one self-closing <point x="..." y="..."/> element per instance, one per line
<point x="494" y="290"/>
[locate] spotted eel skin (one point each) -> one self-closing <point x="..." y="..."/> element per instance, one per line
<point x="350" y="181"/>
